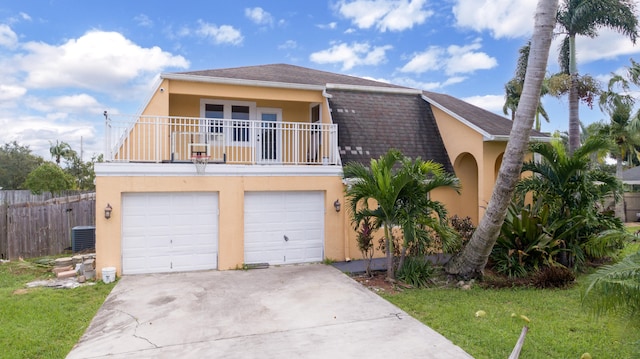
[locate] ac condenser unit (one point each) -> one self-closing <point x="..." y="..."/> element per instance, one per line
<point x="82" y="238"/>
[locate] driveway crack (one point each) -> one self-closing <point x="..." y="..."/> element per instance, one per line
<point x="135" y="332"/>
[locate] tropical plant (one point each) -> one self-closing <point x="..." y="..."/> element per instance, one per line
<point x="400" y="189"/>
<point x="60" y="150"/>
<point x="474" y="256"/>
<point x="615" y="288"/>
<point x="513" y="89"/>
<point x="365" y="242"/>
<point x="416" y="271"/>
<point x="585" y="18"/>
<point x="572" y="191"/>
<point x="525" y="244"/>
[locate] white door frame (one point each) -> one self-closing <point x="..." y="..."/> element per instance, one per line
<point x="276" y="142"/>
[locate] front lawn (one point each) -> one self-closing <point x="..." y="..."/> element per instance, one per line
<point x="43" y="322"/>
<point x="559" y="326"/>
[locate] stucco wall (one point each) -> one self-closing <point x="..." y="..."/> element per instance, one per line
<point x="231" y="191"/>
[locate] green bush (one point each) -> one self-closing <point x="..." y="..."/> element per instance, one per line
<point x="524" y="244"/>
<point x="415" y="271"/>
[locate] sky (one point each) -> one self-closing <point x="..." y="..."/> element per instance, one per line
<point x="64" y="62"/>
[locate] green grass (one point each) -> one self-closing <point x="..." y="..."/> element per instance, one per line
<point x="43" y="322"/>
<point x="559" y="327"/>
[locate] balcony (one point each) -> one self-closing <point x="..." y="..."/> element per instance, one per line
<point x="158" y="139"/>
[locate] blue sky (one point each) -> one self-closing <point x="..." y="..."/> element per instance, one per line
<point x="63" y="62"/>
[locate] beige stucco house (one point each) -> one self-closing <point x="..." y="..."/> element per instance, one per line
<point x="276" y="137"/>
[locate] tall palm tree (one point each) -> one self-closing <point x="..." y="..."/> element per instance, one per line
<point x="473" y="258"/>
<point x="585" y="18"/>
<point x="513" y="89"/>
<point x="60" y="150"/>
<point x="400" y="187"/>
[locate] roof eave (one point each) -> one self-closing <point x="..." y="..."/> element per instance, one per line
<point x="484" y="133"/>
<point x="244" y="82"/>
<point x="504" y="138"/>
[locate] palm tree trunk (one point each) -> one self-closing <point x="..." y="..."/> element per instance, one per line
<point x="620" y="213"/>
<point x="389" y="239"/>
<point x="574" y="99"/>
<point x="473" y="258"/>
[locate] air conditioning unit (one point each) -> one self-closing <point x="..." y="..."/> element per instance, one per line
<point x="83" y="238"/>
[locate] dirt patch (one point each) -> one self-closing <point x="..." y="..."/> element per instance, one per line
<point x="20" y="291"/>
<point x="378" y="283"/>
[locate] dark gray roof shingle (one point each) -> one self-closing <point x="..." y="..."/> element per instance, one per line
<point x="371" y="123"/>
<point x="291" y="74"/>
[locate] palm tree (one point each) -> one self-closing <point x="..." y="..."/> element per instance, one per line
<point x="60" y="150"/>
<point x="400" y="187"/>
<point x="624" y="129"/>
<point x="585" y="17"/>
<point x="473" y="258"/>
<point x="567" y="184"/>
<point x="615" y="287"/>
<point x="513" y="89"/>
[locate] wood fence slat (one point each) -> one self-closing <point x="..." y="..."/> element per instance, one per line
<point x="34" y="229"/>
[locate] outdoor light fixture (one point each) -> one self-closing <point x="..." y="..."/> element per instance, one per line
<point x="107" y="211"/>
<point x="336" y="205"/>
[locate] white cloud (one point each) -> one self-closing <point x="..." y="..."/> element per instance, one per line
<point x="453" y="60"/>
<point x="351" y="55"/>
<point x="143" y="20"/>
<point x="289" y="44"/>
<point x="491" y="103"/>
<point x="502" y="18"/>
<point x="421" y="85"/>
<point x="25" y="16"/>
<point x="80" y="103"/>
<point x="98" y="60"/>
<point x="259" y="16"/>
<point x="11" y="93"/>
<point x="392" y="15"/>
<point x="330" y="26"/>
<point x="225" y="34"/>
<point x="8" y="38"/>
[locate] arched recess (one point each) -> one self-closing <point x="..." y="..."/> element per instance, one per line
<point x="466" y="168"/>
<point x="497" y="167"/>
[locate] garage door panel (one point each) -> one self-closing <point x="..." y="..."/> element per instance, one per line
<point x="270" y="216"/>
<point x="165" y="232"/>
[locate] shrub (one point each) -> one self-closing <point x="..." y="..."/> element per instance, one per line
<point x="524" y="244"/>
<point x="553" y="277"/>
<point x="365" y="242"/>
<point x="416" y="271"/>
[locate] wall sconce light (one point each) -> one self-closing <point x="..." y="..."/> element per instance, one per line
<point x="336" y="205"/>
<point x="107" y="211"/>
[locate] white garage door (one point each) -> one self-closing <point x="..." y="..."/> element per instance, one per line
<point x="283" y="227"/>
<point x="169" y="232"/>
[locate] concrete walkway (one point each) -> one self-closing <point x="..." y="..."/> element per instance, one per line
<point x="305" y="311"/>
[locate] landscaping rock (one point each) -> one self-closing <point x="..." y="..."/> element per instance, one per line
<point x="81" y="279"/>
<point x="67" y="274"/>
<point x="64" y="262"/>
<point x="57" y="270"/>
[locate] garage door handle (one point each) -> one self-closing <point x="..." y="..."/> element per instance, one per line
<point x="286" y="239"/>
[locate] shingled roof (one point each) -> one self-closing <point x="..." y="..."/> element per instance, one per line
<point x="491" y="124"/>
<point x="371" y="123"/>
<point x="290" y="74"/>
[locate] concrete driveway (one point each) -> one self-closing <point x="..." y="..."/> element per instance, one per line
<point x="304" y="311"/>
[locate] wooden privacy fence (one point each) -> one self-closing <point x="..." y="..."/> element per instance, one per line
<point x="42" y="225"/>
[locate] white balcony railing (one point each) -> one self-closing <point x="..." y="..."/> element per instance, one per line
<point x="179" y="139"/>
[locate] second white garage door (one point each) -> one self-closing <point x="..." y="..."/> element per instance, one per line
<point x="283" y="227"/>
<point x="169" y="232"/>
